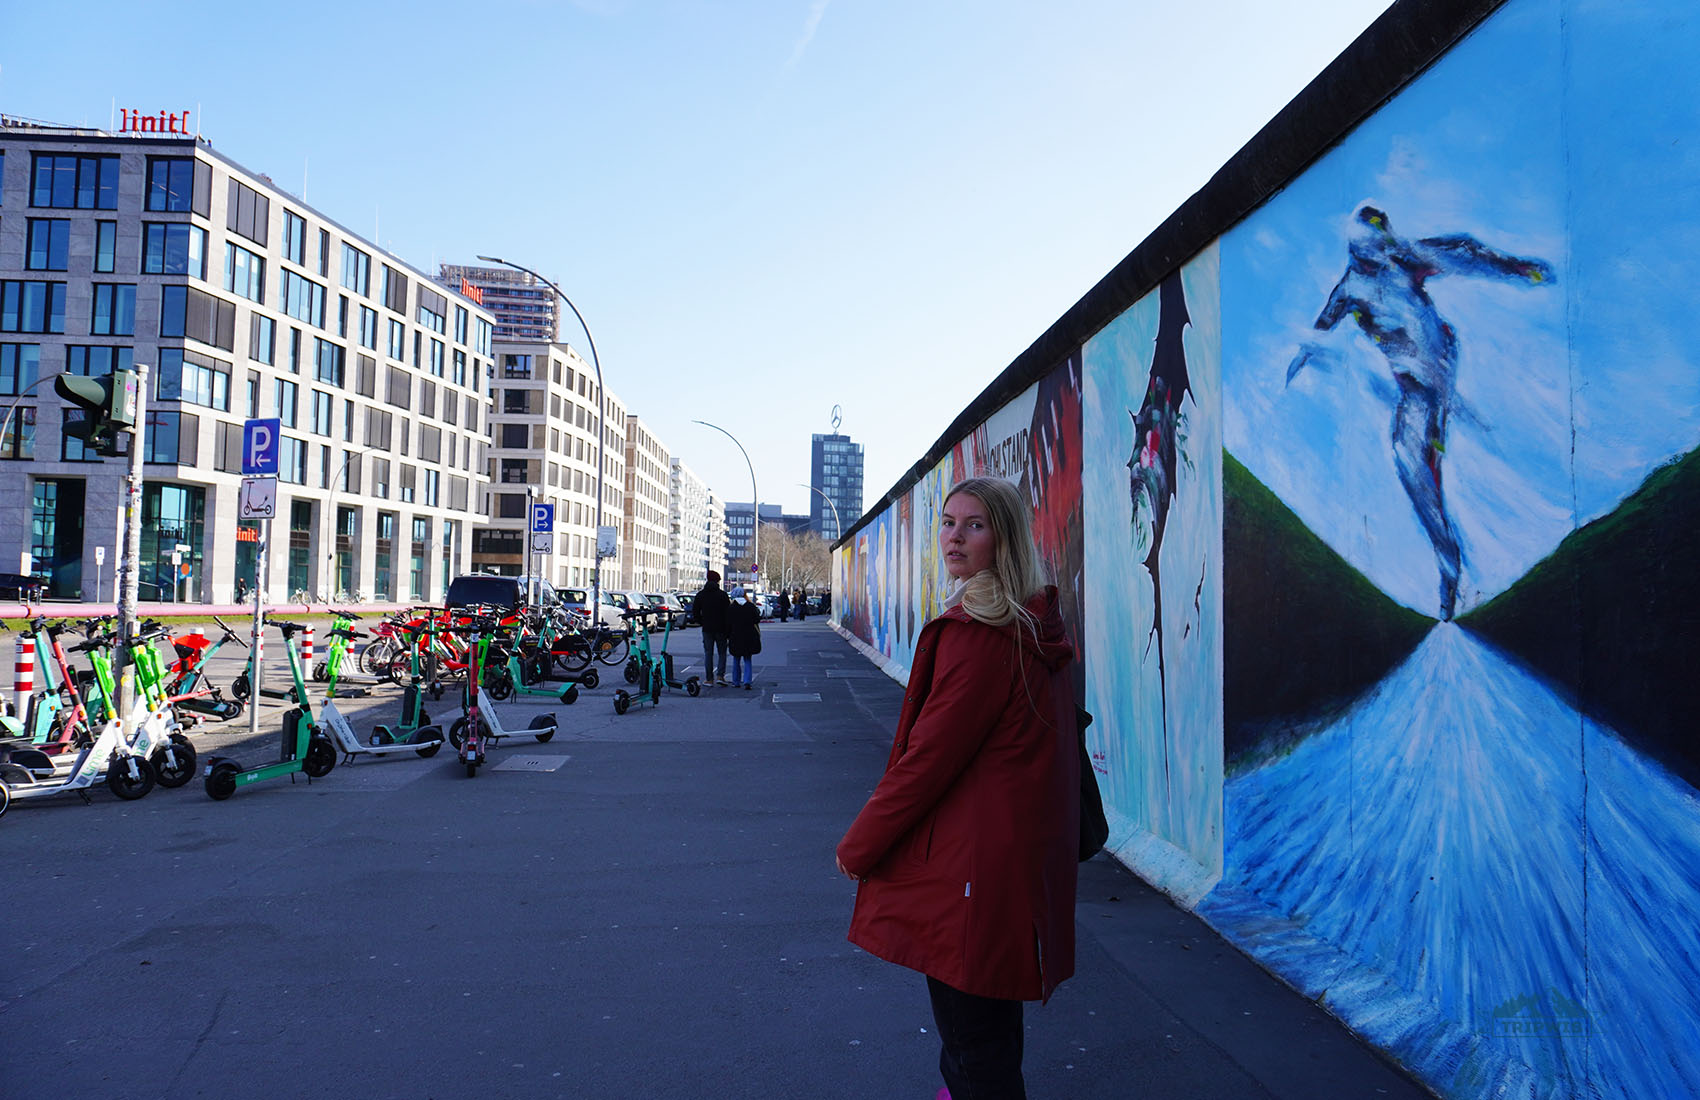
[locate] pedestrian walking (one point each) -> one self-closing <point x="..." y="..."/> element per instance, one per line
<point x="784" y="605"/>
<point x="802" y="605"/>
<point x="743" y="629"/>
<point x="966" y="853"/>
<point x="710" y="609"/>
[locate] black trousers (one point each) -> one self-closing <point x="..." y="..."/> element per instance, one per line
<point x="981" y="1058"/>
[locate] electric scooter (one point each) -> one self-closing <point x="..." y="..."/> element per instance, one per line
<point x="190" y="687"/>
<point x="127" y="776"/>
<point x="524" y="675"/>
<point x="415" y="726"/>
<point x="479" y="727"/>
<point x="301" y="748"/>
<point x="342" y="635"/>
<point x="153" y="729"/>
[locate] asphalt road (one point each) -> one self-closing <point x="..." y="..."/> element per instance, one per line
<point x="646" y="906"/>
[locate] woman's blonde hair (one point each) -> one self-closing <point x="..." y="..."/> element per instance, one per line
<point x="998" y="596"/>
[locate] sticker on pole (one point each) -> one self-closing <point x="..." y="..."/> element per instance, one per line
<point x="542" y="542"/>
<point x="258" y="498"/>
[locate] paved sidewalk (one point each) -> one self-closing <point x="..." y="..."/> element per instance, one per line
<point x="645" y="907"/>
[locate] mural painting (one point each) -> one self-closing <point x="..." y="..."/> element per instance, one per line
<point x="1431" y="821"/>
<point x="1153" y="563"/>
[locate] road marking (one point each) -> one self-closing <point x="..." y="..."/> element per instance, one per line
<point x="532" y="763"/>
<point x="796" y="697"/>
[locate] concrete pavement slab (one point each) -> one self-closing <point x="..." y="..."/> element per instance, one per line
<point x="644" y="906"/>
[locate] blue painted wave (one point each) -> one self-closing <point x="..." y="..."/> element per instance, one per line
<point x="1482" y="880"/>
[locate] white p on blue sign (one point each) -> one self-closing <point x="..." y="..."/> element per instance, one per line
<point x="259" y="445"/>
<point x="542" y="518"/>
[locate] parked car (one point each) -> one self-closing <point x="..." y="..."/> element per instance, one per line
<point x="578" y="599"/>
<point x="493" y="590"/>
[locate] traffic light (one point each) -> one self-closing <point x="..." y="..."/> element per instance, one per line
<point x="108" y="404"/>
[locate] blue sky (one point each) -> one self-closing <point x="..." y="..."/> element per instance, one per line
<point x="763" y="209"/>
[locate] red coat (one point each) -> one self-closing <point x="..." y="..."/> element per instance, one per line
<point x="968" y="847"/>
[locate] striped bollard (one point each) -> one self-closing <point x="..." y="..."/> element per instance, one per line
<point x="23" y="676"/>
<point x="307" y="651"/>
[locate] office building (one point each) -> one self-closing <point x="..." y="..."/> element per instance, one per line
<point x="526" y="310"/>
<point x="544" y="448"/>
<point x="740" y="531"/>
<point x="696" y="535"/>
<point x="244" y="302"/>
<point x="835" y="470"/>
<point x="645" y="522"/>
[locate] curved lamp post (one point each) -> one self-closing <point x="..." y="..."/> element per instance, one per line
<point x="755" y="498"/>
<point x="838" y="524"/>
<point x="595" y="608"/>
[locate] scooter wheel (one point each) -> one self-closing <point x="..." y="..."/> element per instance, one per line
<point x="5" y="796"/>
<point x="241" y="688"/>
<point x="621" y="701"/>
<point x="693" y="687"/>
<point x="472" y="769"/>
<point x="321" y="672"/>
<point x="127" y="784"/>
<point x="570" y="696"/>
<point x="499" y="684"/>
<point x="319" y="759"/>
<point x="535" y="669"/>
<point x="457" y="733"/>
<point x="176" y="766"/>
<point x="590" y="679"/>
<point x="542" y="726"/>
<point x="433" y="738"/>
<point x="235" y="708"/>
<point x="221" y="781"/>
<point x="633" y="671"/>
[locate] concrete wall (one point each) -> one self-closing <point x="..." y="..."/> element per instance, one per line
<point x="1379" y="552"/>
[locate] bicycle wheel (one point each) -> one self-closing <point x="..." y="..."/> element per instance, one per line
<point x="611" y="648"/>
<point x="375" y="659"/>
<point x="572" y="654"/>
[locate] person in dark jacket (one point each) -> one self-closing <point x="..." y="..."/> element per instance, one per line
<point x="801" y="603"/>
<point x="966" y="853"/>
<point x="743" y="629"/>
<point x="710" y="608"/>
<point x="784" y="605"/>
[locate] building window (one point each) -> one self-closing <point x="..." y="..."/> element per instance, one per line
<point x="516" y="366"/>
<point x="378" y="429"/>
<point x="75" y="182"/>
<point x="170" y="437"/>
<point x="244" y="273"/>
<point x="329" y="359"/>
<point x="292" y="460"/>
<point x="459" y="376"/>
<point x="171" y="184"/>
<point x="356" y="270"/>
<point x="286" y="394"/>
<point x="174" y="248"/>
<point x="437" y="358"/>
<point x="398" y="341"/>
<point x="172" y="516"/>
<point x="105" y="247"/>
<point x="399" y="392"/>
<point x="516" y="436"/>
<point x="262" y="339"/>
<point x="192" y="377"/>
<point x="421" y="541"/>
<point x="460" y="324"/>
<point x="19" y="440"/>
<point x="295" y="237"/>
<point x="368" y="328"/>
<point x="514" y="471"/>
<point x="248" y="212"/>
<point x="383" y="548"/>
<point x="324" y="253"/>
<point x="114" y="312"/>
<point x="20" y="367"/>
<point x="301" y="298"/>
<point x="27" y="306"/>
<point x="322" y="407"/>
<point x="71" y="448"/>
<point x="48" y="247"/>
<point x="433" y="481"/>
<point x="395" y="292"/>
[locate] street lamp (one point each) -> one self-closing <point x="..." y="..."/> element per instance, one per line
<point x="601" y="433"/>
<point x="755" y="498"/>
<point x="837" y="524"/>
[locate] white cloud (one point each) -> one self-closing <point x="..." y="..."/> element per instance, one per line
<point x="817" y="9"/>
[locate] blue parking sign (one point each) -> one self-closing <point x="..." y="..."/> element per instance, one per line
<point x="259" y="445"/>
<point x="542" y="518"/>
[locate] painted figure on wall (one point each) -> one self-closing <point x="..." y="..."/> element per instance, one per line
<point x="1383" y="291"/>
<point x="1157" y="428"/>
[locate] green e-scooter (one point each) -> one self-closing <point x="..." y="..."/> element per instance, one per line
<point x="302" y="747"/>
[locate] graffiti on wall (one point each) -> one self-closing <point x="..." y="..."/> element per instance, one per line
<point x="1439" y="814"/>
<point x="891" y="571"/>
<point x="1153" y="641"/>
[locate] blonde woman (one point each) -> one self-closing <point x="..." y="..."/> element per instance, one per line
<point x="966" y="852"/>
